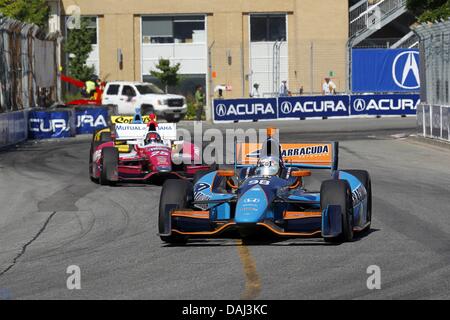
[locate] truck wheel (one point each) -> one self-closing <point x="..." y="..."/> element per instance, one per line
<point x="147" y="110"/>
<point x="338" y="193"/>
<point x="364" y="177"/>
<point x="172" y="119"/>
<point x="175" y="194"/>
<point x="110" y="166"/>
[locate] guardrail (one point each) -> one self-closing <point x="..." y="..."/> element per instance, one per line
<point x="304" y="107"/>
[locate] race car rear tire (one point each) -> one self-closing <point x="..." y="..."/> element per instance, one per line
<point x="338" y="193"/>
<point x="364" y="177"/>
<point x="110" y="164"/>
<point x="105" y="137"/>
<point x="175" y="194"/>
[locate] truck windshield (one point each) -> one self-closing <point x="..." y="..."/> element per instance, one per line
<point x="149" y="89"/>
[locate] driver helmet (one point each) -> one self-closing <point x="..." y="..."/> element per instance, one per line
<point x="152" y="137"/>
<point x="268" y="166"/>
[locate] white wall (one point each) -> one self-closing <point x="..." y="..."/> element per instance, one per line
<point x="191" y="56"/>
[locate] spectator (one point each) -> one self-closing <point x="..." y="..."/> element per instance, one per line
<point x="220" y="94"/>
<point x="328" y="87"/>
<point x="284" y="91"/>
<point x="218" y="90"/>
<point x="199" y="102"/>
<point x="255" y="91"/>
<point x="89" y="88"/>
<point x="300" y="91"/>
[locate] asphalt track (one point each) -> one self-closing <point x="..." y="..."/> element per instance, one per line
<point x="52" y="216"/>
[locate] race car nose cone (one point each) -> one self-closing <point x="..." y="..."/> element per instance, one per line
<point x="251" y="206"/>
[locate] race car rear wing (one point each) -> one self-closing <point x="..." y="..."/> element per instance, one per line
<point x="300" y="155"/>
<point x="138" y="132"/>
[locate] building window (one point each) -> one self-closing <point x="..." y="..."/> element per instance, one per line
<point x="265" y="28"/>
<point x="178" y="29"/>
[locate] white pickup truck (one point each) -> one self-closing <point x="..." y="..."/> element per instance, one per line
<point x="128" y="96"/>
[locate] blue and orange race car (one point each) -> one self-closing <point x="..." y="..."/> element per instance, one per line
<point x="265" y="193"/>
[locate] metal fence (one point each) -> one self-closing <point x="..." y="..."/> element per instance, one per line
<point x="28" y="66"/>
<point x="433" y="116"/>
<point x="435" y="56"/>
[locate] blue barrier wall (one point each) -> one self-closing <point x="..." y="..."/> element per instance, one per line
<point x="47" y="124"/>
<point x="13" y="128"/>
<point x="304" y="107"/>
<point x="89" y="119"/>
<point x="385" y="70"/>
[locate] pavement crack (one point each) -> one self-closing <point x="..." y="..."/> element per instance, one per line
<point x="25" y="246"/>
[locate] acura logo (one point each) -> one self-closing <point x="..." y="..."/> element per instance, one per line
<point x="405" y="70"/>
<point x="221" y="110"/>
<point x="359" y="105"/>
<point x="286" y="107"/>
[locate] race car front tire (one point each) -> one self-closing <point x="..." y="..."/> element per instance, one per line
<point x="364" y="177"/>
<point x="338" y="193"/>
<point x="175" y="194"/>
<point x="109" y="167"/>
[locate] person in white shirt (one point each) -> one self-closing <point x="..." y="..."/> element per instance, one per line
<point x="284" y="92"/>
<point x="328" y="87"/>
<point x="255" y="91"/>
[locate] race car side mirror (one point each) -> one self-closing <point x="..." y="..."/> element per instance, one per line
<point x="225" y="173"/>
<point x="301" y="173"/>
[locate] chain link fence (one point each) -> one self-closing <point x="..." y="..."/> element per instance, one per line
<point x="28" y="66"/>
<point x="433" y="116"/>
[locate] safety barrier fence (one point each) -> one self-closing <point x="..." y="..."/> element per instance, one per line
<point x="28" y="66"/>
<point x="304" y="107"/>
<point x="434" y="122"/>
<point x="433" y="113"/>
<point x="67" y="122"/>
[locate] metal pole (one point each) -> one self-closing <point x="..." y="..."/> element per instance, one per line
<point x="312" y="68"/>
<point x="210" y="84"/>
<point x="243" y="70"/>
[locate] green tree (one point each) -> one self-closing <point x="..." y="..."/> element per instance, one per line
<point x="167" y="74"/>
<point x="29" y="11"/>
<point x="429" y="10"/>
<point x="78" y="46"/>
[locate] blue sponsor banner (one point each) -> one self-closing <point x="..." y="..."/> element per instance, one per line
<point x="13" y="127"/>
<point x="89" y="119"/>
<point x="379" y="105"/>
<point x="385" y="70"/>
<point x="50" y="124"/>
<point x="304" y="107"/>
<point x="310" y="107"/>
<point x="245" y="109"/>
